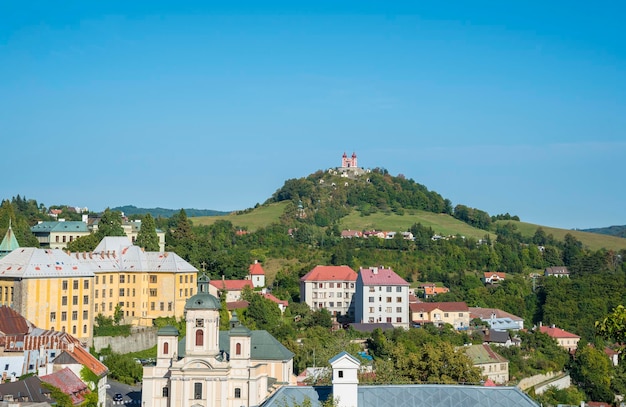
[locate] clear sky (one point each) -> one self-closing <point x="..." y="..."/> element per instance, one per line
<point x="515" y="107"/>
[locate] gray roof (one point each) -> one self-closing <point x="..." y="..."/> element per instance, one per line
<point x="431" y="395"/>
<point x="168" y="330"/>
<point x="70" y="225"/>
<point x="29" y="262"/>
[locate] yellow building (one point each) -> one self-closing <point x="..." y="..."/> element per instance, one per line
<point x="146" y="285"/>
<point x="50" y="289"/>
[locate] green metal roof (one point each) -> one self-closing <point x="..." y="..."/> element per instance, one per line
<point x="73" y="225"/>
<point x="168" y="330"/>
<point x="9" y="242"/>
<point x="203" y="301"/>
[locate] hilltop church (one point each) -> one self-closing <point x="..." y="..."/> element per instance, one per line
<point x="209" y="368"/>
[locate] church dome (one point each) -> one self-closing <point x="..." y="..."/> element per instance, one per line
<point x="203" y="300"/>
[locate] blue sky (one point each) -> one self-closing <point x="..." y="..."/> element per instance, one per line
<point x="517" y="108"/>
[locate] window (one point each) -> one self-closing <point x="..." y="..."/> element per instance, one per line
<point x="110" y="292"/>
<point x="191" y="291"/>
<point x="371" y="299"/>
<point x="191" y="279"/>
<point x="153" y="292"/>
<point x="169" y="306"/>
<point x="104" y="293"/>
<point x="199" y="337"/>
<point x="445" y="315"/>
<point x="197" y="391"/>
<point x="340" y="373"/>
<point x="331" y="304"/>
<point x="121" y="292"/>
<point x="133" y="279"/>
<point x="238" y="349"/>
<point x="180" y="292"/>
<point x="503" y="366"/>
<point x="85" y="299"/>
<point x="461" y="314"/>
<point x="331" y="285"/>
<point x="389" y="289"/>
<point x="153" y="279"/>
<point x="388" y="319"/>
<point x="399" y="319"/>
<point x="372" y="289"/>
<point x="75" y="300"/>
<point x="86" y="284"/>
<point x="388" y="299"/>
<point x="398" y="299"/>
<point x="96" y="293"/>
<point x="96" y="307"/>
<point x="64" y="238"/>
<point x="186" y="279"/>
<point x="186" y="293"/>
<point x="110" y="306"/>
<point x="237" y="393"/>
<point x="339" y="294"/>
<point x="371" y="309"/>
<point x="75" y="284"/>
<point x="339" y="304"/>
<point x="320" y="285"/>
<point x="53" y="316"/>
<point x="152" y="306"/>
<point x="64" y="284"/>
<point x="133" y="292"/>
<point x="398" y="309"/>
<point x="398" y="289"/>
<point x="122" y="278"/>
<point x="162" y="306"/>
<point x="110" y="279"/>
<point x="64" y="300"/>
<point x="166" y="348"/>
<point x="74" y="330"/>
<point x="84" y="329"/>
<point x="85" y="315"/>
<point x="165" y="392"/>
<point x="97" y="279"/>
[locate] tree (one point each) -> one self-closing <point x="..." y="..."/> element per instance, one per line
<point x="110" y="224"/>
<point x="147" y="237"/>
<point x="613" y="328"/>
<point x="591" y="370"/>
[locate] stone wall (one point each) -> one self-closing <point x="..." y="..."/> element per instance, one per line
<point x="560" y="383"/>
<point x="140" y="339"/>
<point x="529" y="382"/>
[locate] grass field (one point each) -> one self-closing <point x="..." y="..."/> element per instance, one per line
<point x="440" y="223"/>
<point x="260" y="217"/>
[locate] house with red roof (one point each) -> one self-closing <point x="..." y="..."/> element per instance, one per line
<point x="381" y="296"/>
<point x="257" y="274"/>
<point x="349" y="234"/>
<point x="492" y="277"/>
<point x="456" y="314"/>
<point x="282" y="304"/>
<point x="431" y="289"/>
<point x="232" y="288"/>
<point x="565" y="339"/>
<point x="493" y="366"/>
<point x="331" y="288"/>
<point x="70" y="384"/>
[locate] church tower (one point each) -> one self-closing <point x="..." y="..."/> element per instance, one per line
<point x="203" y="322"/>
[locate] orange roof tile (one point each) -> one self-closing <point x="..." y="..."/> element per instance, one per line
<point x="557" y="332"/>
<point x="256" y="270"/>
<point x="231" y="285"/>
<point x="85" y="358"/>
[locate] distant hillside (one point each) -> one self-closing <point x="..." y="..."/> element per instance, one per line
<point x="619" y="231"/>
<point x="166" y="213"/>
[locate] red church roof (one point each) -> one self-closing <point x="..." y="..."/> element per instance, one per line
<point x="256" y="269"/>
<point x="330" y="273"/>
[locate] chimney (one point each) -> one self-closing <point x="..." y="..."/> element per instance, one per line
<point x="375" y="270"/>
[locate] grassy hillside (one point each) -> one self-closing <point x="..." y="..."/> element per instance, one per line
<point x="253" y="220"/>
<point x="592" y="240"/>
<point x="440" y="223"/>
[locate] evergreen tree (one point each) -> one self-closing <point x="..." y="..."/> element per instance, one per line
<point x="147" y="237"/>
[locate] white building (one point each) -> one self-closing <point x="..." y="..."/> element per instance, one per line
<point x="381" y="296"/>
<point x="331" y="288"/>
<point x="209" y="368"/>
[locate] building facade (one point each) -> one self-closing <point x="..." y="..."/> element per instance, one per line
<point x="331" y="288"/>
<point x="49" y="288"/>
<point x="381" y="296"/>
<point x="440" y="313"/>
<point x="145" y="285"/>
<point x="57" y="235"/>
<point x="209" y="368"/>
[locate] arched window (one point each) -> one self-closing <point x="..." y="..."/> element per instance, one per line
<point x="237" y="393"/>
<point x="238" y="349"/>
<point x="199" y="337"/>
<point x="166" y="348"/>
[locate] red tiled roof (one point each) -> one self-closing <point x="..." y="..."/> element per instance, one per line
<point x="557" y="332"/>
<point x="276" y="300"/>
<point x="491" y="274"/>
<point x="68" y="383"/>
<point x="85" y="358"/>
<point x="231" y="285"/>
<point x="436" y="290"/>
<point x="256" y="270"/>
<point x="380" y="276"/>
<point x="443" y="306"/>
<point x="330" y="273"/>
<point x="12" y="323"/>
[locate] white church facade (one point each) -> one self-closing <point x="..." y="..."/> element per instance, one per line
<point x="209" y="368"/>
